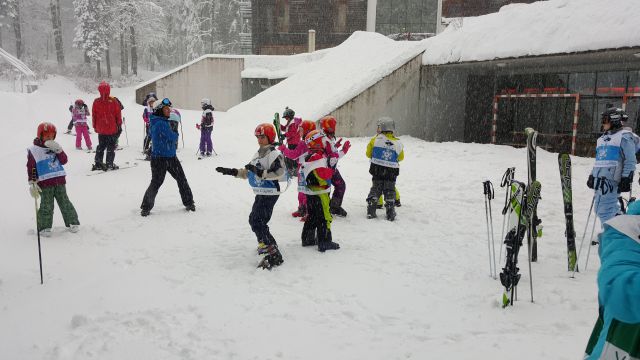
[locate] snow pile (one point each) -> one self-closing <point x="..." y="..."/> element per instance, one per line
<point x="324" y="85"/>
<point x="180" y="285"/>
<point x="278" y="66"/>
<point x="540" y="28"/>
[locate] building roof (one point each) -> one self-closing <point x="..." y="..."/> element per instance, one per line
<point x="541" y="28"/>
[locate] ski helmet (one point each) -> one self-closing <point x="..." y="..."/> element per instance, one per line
<point x="79" y="102"/>
<point x="288" y="113"/>
<point x="315" y="140"/>
<point x="205" y="101"/>
<point x="328" y="124"/>
<point x="614" y="116"/>
<point x="267" y="130"/>
<point x="46" y="128"/>
<point x="306" y="126"/>
<point x="386" y="124"/>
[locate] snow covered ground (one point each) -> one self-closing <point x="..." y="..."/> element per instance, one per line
<point x="180" y="285"/>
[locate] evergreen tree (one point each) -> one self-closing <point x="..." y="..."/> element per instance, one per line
<point x="92" y="32"/>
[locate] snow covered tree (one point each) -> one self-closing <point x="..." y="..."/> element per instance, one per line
<point x="92" y="30"/>
<point x="57" y="31"/>
<point x="10" y="17"/>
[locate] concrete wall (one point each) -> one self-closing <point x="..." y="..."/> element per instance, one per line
<point x="396" y="96"/>
<point x="215" y="78"/>
<point x="442" y="103"/>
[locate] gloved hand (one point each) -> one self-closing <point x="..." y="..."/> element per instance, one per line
<point x="339" y="143"/>
<point x="34" y="189"/>
<point x="254" y="169"/>
<point x="328" y="149"/>
<point x="282" y="147"/>
<point x="346" y="146"/>
<point x="227" y="171"/>
<point x="53" y="146"/>
<point x="198" y="126"/>
<point x="590" y="182"/>
<point x="625" y="183"/>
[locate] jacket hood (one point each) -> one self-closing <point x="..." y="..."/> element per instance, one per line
<point x="38" y="142"/>
<point x="104" y="90"/>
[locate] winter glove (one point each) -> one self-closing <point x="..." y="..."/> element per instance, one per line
<point x="227" y="171"/>
<point x="346" y="146"/>
<point x="254" y="169"/>
<point x="590" y="182"/>
<point x="53" y="146"/>
<point x="625" y="183"/>
<point x="281" y="147"/>
<point x="34" y="189"/>
<point x="198" y="126"/>
<point x="339" y="143"/>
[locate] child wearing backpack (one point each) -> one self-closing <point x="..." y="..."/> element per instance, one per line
<point x="206" y="128"/>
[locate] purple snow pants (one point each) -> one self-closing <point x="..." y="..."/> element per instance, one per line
<point x="339" y="187"/>
<point x="206" y="145"/>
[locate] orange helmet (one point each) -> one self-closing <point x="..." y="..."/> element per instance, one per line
<point x="46" y="128"/>
<point x="268" y="130"/>
<point x="315" y="140"/>
<point x="306" y="126"/>
<point x="328" y="124"/>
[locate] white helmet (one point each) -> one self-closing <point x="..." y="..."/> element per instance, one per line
<point x="205" y="101"/>
<point x="386" y="124"/>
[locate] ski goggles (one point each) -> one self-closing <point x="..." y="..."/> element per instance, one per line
<point x="166" y="102"/>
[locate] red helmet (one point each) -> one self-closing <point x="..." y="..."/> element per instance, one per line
<point x="328" y="124"/>
<point x="306" y="126"/>
<point x="79" y="102"/>
<point x="46" y="128"/>
<point x="268" y="130"/>
<point x="315" y="140"/>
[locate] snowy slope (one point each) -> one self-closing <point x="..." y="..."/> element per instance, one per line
<point x="180" y="285"/>
<point x="540" y="28"/>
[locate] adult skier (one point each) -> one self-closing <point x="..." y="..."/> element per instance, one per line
<point x="164" y="159"/>
<point x="107" y="122"/>
<point x="614" y="166"/>
<point x="616" y="334"/>
<point x="263" y="172"/>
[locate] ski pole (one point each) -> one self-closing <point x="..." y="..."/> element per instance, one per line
<point x="182" y="134"/>
<point x="593" y="227"/>
<point x="493" y="241"/>
<point x="488" y="195"/>
<point x="584" y="233"/>
<point x="506" y="181"/>
<point x="35" y="201"/>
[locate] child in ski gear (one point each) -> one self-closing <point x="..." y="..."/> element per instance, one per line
<point x="290" y="130"/>
<point x="381" y="198"/>
<point x="146" y="113"/>
<point x="263" y="172"/>
<point x="615" y="164"/>
<point x="385" y="151"/>
<point x="616" y="334"/>
<point x="164" y="159"/>
<point x="328" y="126"/>
<point x="47" y="179"/>
<point x="305" y="127"/>
<point x="107" y="122"/>
<point x="206" y="127"/>
<point x="79" y="113"/>
<point x="315" y="178"/>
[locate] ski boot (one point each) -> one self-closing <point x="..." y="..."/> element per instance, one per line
<point x="271" y="257"/>
<point x="191" y="207"/>
<point x="336" y="209"/>
<point x="302" y="211"/>
<point x="371" y="208"/>
<point x="310" y="242"/>
<point x="112" y="167"/>
<point x="99" y="166"/>
<point x="145" y="212"/>
<point x="398" y="203"/>
<point x="200" y="156"/>
<point x="45" y="232"/>
<point x="208" y="154"/>
<point x="74" y="228"/>
<point x="328" y="245"/>
<point x="391" y="210"/>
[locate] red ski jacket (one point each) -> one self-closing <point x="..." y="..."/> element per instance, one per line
<point x="107" y="117"/>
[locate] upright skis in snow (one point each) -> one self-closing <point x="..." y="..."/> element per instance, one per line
<point x="532" y="137"/>
<point x="564" y="162"/>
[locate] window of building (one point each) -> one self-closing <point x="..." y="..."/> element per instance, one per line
<point x="400" y="16"/>
<point x="341" y="17"/>
<point x="282" y="16"/>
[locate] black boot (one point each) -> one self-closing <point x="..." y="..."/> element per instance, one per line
<point x="271" y="257"/>
<point x="336" y="209"/>
<point x="391" y="210"/>
<point x="328" y="245"/>
<point x="99" y="166"/>
<point x="371" y="208"/>
<point x="191" y="207"/>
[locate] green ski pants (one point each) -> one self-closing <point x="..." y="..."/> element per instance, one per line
<point x="45" y="213"/>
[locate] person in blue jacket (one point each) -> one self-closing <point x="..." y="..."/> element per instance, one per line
<point x="616" y="334"/>
<point x="164" y="137"/>
<point x="615" y="164"/>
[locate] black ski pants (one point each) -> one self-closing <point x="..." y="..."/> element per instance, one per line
<point x="159" y="168"/>
<point x="260" y="215"/>
<point x="109" y="143"/>
<point x="383" y="186"/>
<point x="318" y="221"/>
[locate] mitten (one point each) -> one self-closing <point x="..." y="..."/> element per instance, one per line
<point x="53" y="146"/>
<point x="625" y="183"/>
<point x="590" y="182"/>
<point x="34" y="189"/>
<point x="198" y="126"/>
<point x="227" y="171"/>
<point x="346" y="146"/>
<point x="254" y="169"/>
<point x="281" y="147"/>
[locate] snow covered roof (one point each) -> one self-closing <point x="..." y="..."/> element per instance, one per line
<point x="540" y="28"/>
<point x="19" y="65"/>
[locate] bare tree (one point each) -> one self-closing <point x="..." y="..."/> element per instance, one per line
<point x="57" y="31"/>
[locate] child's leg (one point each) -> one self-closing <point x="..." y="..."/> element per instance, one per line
<point x="389" y="192"/>
<point x="78" y="136"/>
<point x="375" y="192"/>
<point x="45" y="213"/>
<point x="314" y="211"/>
<point x="85" y="134"/>
<point x="397" y="194"/>
<point x="69" y="213"/>
<point x="202" y="141"/>
<point x="339" y="187"/>
<point x="325" y="241"/>
<point x="260" y="215"/>
<point x="208" y="142"/>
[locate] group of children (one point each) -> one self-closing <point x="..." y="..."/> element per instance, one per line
<point x="312" y="155"/>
